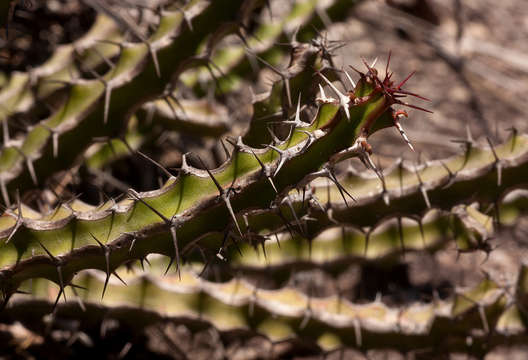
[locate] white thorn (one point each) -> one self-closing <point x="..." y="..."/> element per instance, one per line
<point x="374" y="62"/>
<point x="403" y="134"/>
<point x="232" y="213"/>
<point x="386" y="198"/>
<point x="5" y="194"/>
<point x="298" y="111"/>
<point x="31" y="170"/>
<point x="499" y="174"/>
<point x="425" y="196"/>
<point x="468" y="134"/>
<point x="323" y="95"/>
<point x="155" y="60"/>
<point x="272" y="184"/>
<point x="343" y="100"/>
<point x="55" y="139"/>
<point x="108" y="92"/>
<point x="350" y="79"/>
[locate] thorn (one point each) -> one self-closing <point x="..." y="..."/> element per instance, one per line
<point x="224" y="195"/>
<point x="282" y="158"/>
<point x="274" y="137"/>
<point x="405" y="80"/>
<point x="5" y="194"/>
<point x="265" y="170"/>
<point x="135" y="195"/>
<point x="234" y="242"/>
<point x="172" y="228"/>
<point x="299" y="224"/>
<point x="56" y="262"/>
<point x="5" y="300"/>
<point x="451" y="176"/>
<point x="170" y="96"/>
<point x="374" y="62"/>
<point x="498" y="164"/>
<point x="350" y="79"/>
<point x="55" y="141"/>
<point x="19" y="220"/>
<point x="387" y="66"/>
<point x="343" y="100"/>
<point x="322" y="94"/>
<point x="106" y="252"/>
<point x="397" y="115"/>
<point x="154" y="56"/>
<point x="132" y="244"/>
<point x="104" y="58"/>
<point x="414" y="107"/>
<point x="298" y="110"/>
<point x="483" y="318"/>
<point x="108" y="93"/>
<point x="422" y="189"/>
<point x="384" y="193"/>
<point x="356" y="70"/>
<point x="186" y="19"/>
<point x="158" y="165"/>
<point x="514" y="133"/>
<point x="176" y="253"/>
<point x="79" y="299"/>
<point x="311" y="138"/>
<point x="469" y="137"/>
<point x="119" y="278"/>
<point x="228" y="155"/>
<point x="285" y="222"/>
<point x="306" y="318"/>
<point x="340" y="187"/>
<point x="31" y="170"/>
<point x="280" y="73"/>
<point x="264" y="250"/>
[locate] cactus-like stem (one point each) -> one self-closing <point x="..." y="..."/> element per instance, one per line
<point x="331" y="322"/>
<point x="115" y="95"/>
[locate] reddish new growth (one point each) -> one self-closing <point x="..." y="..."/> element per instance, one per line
<point x="391" y="94"/>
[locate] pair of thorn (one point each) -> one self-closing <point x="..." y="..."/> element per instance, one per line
<point x="172" y="223"/>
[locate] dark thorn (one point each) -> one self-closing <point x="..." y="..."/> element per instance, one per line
<point x="161" y="167"/>
<point x="79" y="300"/>
<point x="225" y="149"/>
<point x="299" y="224"/>
<point x="387" y="67"/>
<point x="135" y="196"/>
<point x="220" y="189"/>
<point x="340" y="187"/>
<point x="415" y="107"/>
<point x="264" y="170"/>
<point x="119" y="278"/>
<point x="176" y="252"/>
<point x="405" y="80"/>
<point x="106" y="252"/>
